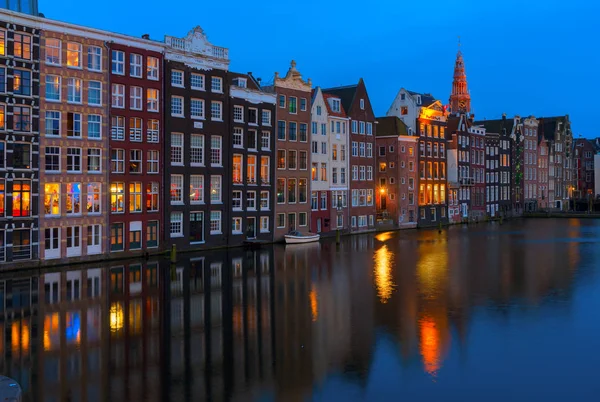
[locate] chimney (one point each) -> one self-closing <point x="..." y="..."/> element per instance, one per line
<point x="259" y="80"/>
<point x="146" y="36"/>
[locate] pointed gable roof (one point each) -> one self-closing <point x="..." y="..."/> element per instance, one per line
<point x="345" y="93"/>
<point x="330" y="112"/>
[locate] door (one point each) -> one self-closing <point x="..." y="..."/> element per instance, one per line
<point x="292" y="221"/>
<point x="196" y="227"/>
<point x="383" y="202"/>
<point x="251" y="228"/>
<point x="319" y="225"/>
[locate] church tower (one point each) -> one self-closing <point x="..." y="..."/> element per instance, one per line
<point x="460" y="99"/>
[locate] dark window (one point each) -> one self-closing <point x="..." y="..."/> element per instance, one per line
<point x="281" y="130"/>
<point x="303" y="129"/>
<point x="22" y="156"/>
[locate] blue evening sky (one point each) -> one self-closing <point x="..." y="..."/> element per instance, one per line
<point x="522" y="57"/>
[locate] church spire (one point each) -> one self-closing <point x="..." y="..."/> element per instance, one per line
<point x="460" y="99"/>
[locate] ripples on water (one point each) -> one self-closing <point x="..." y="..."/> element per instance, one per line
<point x="481" y="313"/>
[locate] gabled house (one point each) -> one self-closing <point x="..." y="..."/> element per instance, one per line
<point x="355" y="101"/>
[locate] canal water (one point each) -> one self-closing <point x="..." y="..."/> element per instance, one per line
<point x="481" y="313"/>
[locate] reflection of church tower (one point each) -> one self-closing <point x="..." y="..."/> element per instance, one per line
<point x="460" y="99"/>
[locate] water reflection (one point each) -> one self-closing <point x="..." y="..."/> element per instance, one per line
<point x="384" y="259"/>
<point x="321" y="322"/>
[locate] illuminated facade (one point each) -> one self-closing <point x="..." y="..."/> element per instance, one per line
<point x="433" y="183"/>
<point x="73" y="143"/>
<point x="19" y="137"/>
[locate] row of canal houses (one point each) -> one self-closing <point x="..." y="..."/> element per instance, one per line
<point x="118" y="145"/>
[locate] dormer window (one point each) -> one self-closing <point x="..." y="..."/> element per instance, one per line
<point x="418" y="99"/>
<point x="318" y="110"/>
<point x="362" y="104"/>
<point x="402" y="96"/>
<point x="336" y="105"/>
<point x="240" y="82"/>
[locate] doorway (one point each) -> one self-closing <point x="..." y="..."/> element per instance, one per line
<point x="251" y="228"/>
<point x="292" y="221"/>
<point x="319" y="225"/>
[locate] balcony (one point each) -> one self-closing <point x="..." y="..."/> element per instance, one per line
<point x="467" y="181"/>
<point x="21" y="252"/>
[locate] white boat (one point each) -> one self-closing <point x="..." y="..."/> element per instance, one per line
<point x="296" y="237"/>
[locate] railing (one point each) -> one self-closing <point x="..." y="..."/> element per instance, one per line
<point x="21" y="252"/>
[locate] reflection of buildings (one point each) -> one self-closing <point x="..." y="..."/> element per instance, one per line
<point x="19" y="329"/>
<point x="72" y="336"/>
<point x="236" y="324"/>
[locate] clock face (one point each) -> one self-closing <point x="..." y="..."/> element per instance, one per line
<point x="462" y="103"/>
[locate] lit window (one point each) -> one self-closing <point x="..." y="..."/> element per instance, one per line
<point x="52" y="199"/>
<point x="94" y="198"/>
<point x="135" y="197"/>
<point x="53" y="50"/>
<point x="73" y="203"/>
<point x="152" y="68"/>
<point x="22" y="45"/>
<point x="74" y="54"/>
<point x="152" y="100"/>
<point x="215" y="222"/>
<point x="176" y="188"/>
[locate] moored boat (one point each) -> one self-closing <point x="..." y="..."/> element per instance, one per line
<point x="296" y="237"/>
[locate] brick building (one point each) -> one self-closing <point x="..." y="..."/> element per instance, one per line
<point x="136" y="144"/>
<point x="251" y="198"/>
<point x="355" y="101"/>
<point x="197" y="142"/>
<point x="292" y="209"/>
<point x="74" y="142"/>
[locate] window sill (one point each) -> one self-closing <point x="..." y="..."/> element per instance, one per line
<point x="219" y="120"/>
<point x="198" y="117"/>
<point x="237" y="233"/>
<point x="178" y="116"/>
<point x="74" y="67"/>
<point x="53" y="100"/>
<point x="216" y="203"/>
<point x="197" y="242"/>
<point x="177" y="203"/>
<point x="176" y="235"/>
<point x="216" y="233"/>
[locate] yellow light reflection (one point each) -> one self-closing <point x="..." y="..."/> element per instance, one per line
<point x="20" y="337"/>
<point x="314" y="303"/>
<point x="430" y="345"/>
<point x="384" y="236"/>
<point x="384" y="260"/>
<point x="116" y="317"/>
<point x="51" y="323"/>
<point x="432" y="268"/>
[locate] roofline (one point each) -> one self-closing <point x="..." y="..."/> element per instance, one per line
<point x="48" y="24"/>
